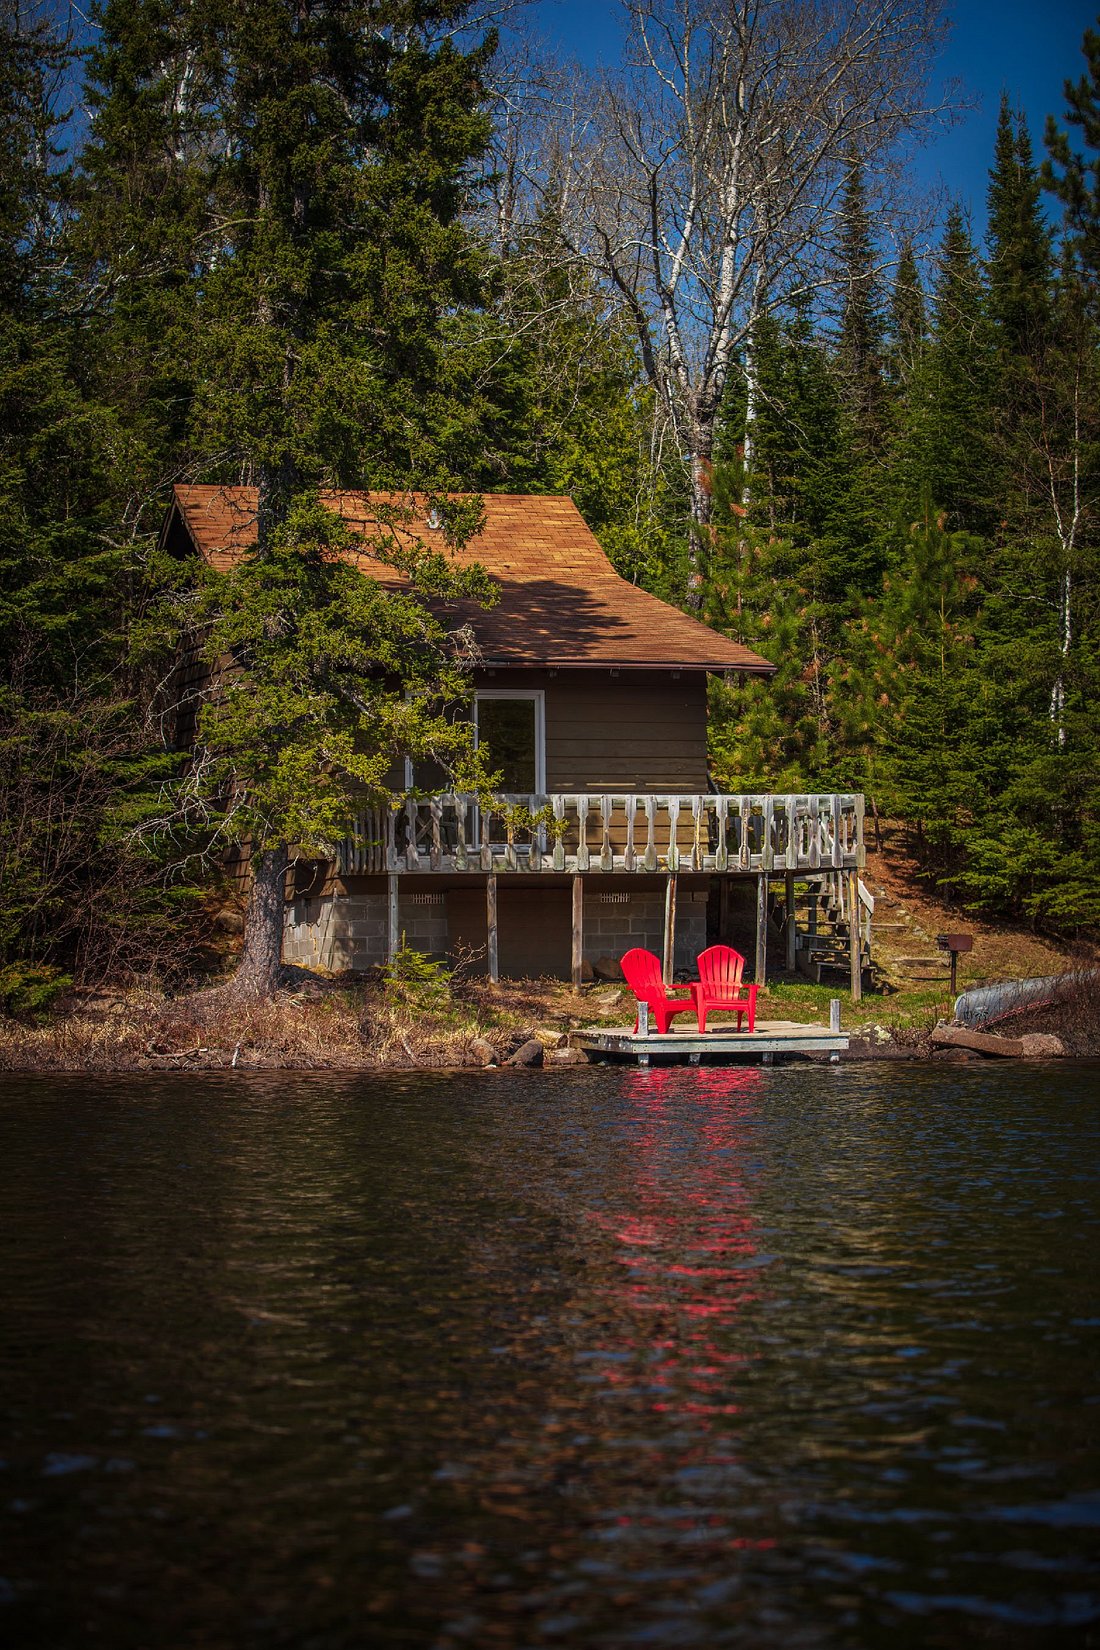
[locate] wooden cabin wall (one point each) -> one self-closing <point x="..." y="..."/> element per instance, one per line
<point x="637" y="730"/>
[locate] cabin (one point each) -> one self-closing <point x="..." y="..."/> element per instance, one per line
<point x="591" y="696"/>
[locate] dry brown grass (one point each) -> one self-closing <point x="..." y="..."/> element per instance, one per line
<point x="1002" y="951"/>
<point x="317" y="1024"/>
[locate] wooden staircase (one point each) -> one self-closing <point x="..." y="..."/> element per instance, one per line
<point x="821" y="928"/>
<point x="894" y="949"/>
<point x="906" y="954"/>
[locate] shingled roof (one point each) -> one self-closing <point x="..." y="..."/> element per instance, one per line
<point x="562" y="604"/>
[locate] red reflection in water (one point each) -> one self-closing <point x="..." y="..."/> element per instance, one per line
<point x="686" y="1246"/>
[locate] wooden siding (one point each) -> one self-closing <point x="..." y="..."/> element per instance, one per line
<point x="642" y="731"/>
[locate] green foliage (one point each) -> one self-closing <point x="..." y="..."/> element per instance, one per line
<point x="334" y="678"/>
<point x="417" y="980"/>
<point x="261" y="265"/>
<point x="28" y="990"/>
<point x="1072" y="175"/>
<point x="860" y="349"/>
<point x="928" y="585"/>
<point x="564" y="408"/>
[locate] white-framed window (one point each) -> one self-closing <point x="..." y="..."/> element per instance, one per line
<point x="512" y="723"/>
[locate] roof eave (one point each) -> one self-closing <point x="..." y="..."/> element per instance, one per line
<point x="712" y="667"/>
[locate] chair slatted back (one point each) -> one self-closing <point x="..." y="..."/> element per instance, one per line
<point x="642" y="973"/>
<point x="720" y="970"/>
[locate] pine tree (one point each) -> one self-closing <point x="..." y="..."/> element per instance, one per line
<point x="70" y="893"/>
<point x="908" y="322"/>
<point x="1073" y="176"/>
<point x="783" y="561"/>
<point x="326" y="154"/>
<point x="1019" y="241"/>
<point x="952" y="400"/>
<point x="860" y="343"/>
<point x="563" y="407"/>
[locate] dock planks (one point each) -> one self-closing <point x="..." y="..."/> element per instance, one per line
<point x="772" y="1039"/>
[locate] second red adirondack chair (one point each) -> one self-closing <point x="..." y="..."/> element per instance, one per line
<point x="642" y="973"/>
<point x="719" y="985"/>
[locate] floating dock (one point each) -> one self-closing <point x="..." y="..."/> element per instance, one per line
<point x="772" y="1040"/>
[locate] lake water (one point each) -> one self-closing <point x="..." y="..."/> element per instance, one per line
<point x="776" y="1358"/>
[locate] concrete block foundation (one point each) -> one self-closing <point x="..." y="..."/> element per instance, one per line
<point x="346" y="931"/>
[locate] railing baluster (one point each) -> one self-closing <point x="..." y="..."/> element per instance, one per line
<point x="410" y="834"/>
<point x="745" y="855"/>
<point x="698" y="816"/>
<point x="650" y="857"/>
<point x="673" y="805"/>
<point x="462" y="860"/>
<point x="607" y="858"/>
<point x="794" y="832"/>
<point x="721" y="852"/>
<point x="838" y="846"/>
<point x="534" y="857"/>
<point x="436" y="856"/>
<point x="767" y="846"/>
<point x="557" y="857"/>
<point x="486" y="854"/>
<point x="631" y="803"/>
<point x="583" y="860"/>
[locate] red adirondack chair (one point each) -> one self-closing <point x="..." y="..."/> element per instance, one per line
<point x="720" y="986"/>
<point x="642" y="973"/>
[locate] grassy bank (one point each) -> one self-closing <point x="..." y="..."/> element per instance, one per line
<point x="318" y="1023"/>
<point x="313" y="1024"/>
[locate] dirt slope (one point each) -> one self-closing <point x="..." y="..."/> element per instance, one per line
<point x="908" y="917"/>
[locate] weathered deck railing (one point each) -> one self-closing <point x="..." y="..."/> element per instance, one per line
<point x="619" y="832"/>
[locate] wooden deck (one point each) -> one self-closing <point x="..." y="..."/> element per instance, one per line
<point x="619" y="833"/>
<point x="772" y="1039"/>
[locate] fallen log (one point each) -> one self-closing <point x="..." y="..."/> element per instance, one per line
<point x="982" y="1042"/>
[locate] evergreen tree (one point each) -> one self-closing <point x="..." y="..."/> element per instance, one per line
<point x="782" y="564"/>
<point x="563" y="407"/>
<point x="71" y="894"/>
<point x="1073" y="176"/>
<point x="908" y="322"/>
<point x="860" y="351"/>
<point x="902" y="693"/>
<point x="951" y="403"/>
<point x="1019" y="291"/>
<point x="327" y="156"/>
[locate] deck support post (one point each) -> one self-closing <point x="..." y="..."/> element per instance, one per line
<point x="790" y="927"/>
<point x="723" y="910"/>
<point x="761" y="930"/>
<point x="855" y="949"/>
<point x="491" y="927"/>
<point x="393" y="927"/>
<point x="670" y="928"/>
<point x="578" y="932"/>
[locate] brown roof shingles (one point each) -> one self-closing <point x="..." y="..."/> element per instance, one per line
<point x="562" y="603"/>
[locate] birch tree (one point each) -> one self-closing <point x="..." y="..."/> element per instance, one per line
<point x="703" y="180"/>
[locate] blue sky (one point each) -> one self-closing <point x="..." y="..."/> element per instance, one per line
<point x="1021" y="46"/>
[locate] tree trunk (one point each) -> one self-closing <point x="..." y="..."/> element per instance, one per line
<point x="701" y="542"/>
<point x="257" y="974"/>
